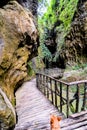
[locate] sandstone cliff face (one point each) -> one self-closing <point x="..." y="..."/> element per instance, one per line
<point x="76" y="40"/>
<point x="18" y="44"/>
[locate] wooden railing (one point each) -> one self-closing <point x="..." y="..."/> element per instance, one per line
<point x="67" y="97"/>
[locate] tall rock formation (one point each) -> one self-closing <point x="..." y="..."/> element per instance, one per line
<point x="76" y="40"/>
<point x="72" y="46"/>
<point x="18" y="44"/>
<point x="67" y="37"/>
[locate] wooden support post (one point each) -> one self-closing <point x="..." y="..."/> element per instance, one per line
<point x="47" y="87"/>
<point x="77" y="98"/>
<point x="55" y="93"/>
<point x="67" y="97"/>
<point x="84" y="97"/>
<point x="44" y="84"/>
<point x="51" y="91"/>
<point x="37" y="81"/>
<point x="60" y="97"/>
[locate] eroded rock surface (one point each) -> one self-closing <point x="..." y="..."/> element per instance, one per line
<point x="76" y="40"/>
<point x="18" y="44"/>
<point x="30" y="4"/>
<point x="69" y="47"/>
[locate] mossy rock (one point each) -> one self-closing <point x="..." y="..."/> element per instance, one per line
<point x="18" y="44"/>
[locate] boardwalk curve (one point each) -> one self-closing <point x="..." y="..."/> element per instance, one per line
<point x="33" y="109"/>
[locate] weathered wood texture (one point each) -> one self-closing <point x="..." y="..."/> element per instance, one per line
<point x="33" y="109"/>
<point x="62" y="94"/>
<point x="76" y="121"/>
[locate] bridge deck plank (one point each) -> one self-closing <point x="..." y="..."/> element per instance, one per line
<point x="33" y="109"/>
<point x="76" y="121"/>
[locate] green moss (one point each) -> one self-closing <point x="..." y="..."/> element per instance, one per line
<point x="30" y="69"/>
<point x="35" y="64"/>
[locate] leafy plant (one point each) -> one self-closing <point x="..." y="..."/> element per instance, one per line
<point x="45" y="52"/>
<point x="67" y="10"/>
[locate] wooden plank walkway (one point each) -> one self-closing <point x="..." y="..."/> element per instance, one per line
<point x="76" y="121"/>
<point x="33" y="109"/>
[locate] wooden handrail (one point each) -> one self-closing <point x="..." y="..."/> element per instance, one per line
<point x="55" y="92"/>
<point x="66" y="83"/>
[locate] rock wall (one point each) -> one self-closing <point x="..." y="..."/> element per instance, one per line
<point x="67" y="38"/>
<point x="76" y="40"/>
<point x="18" y="44"/>
<point x="30" y="4"/>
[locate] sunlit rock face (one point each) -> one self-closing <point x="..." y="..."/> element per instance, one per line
<point x="18" y="44"/>
<point x="76" y="40"/>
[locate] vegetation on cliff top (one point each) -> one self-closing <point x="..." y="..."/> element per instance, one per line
<point x="59" y="16"/>
<point x="62" y="10"/>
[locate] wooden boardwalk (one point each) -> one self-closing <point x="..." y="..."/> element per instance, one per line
<point x="76" y="121"/>
<point x="33" y="109"/>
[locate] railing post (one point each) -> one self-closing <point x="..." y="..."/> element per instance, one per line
<point x="67" y="96"/>
<point x="46" y="83"/>
<point x="55" y="93"/>
<point x="84" y="97"/>
<point x="77" y="98"/>
<point x="37" y="80"/>
<point x="60" y="97"/>
<point x="44" y="80"/>
<point x="51" y="90"/>
<point x="47" y="87"/>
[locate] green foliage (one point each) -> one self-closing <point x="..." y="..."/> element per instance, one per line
<point x="39" y="63"/>
<point x="63" y="10"/>
<point x="67" y="10"/>
<point x="72" y="108"/>
<point x="45" y="52"/>
<point x="30" y="69"/>
<point x="50" y="17"/>
<point x="46" y="22"/>
<point x="58" y="10"/>
<point x="79" y="66"/>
